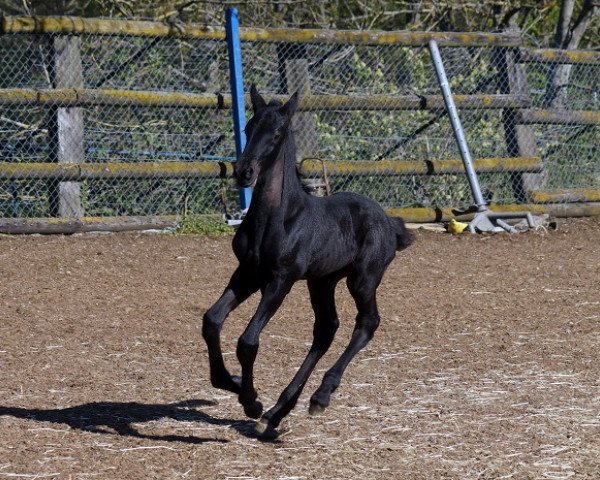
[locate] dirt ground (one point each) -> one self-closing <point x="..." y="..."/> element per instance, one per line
<point x="485" y="365"/>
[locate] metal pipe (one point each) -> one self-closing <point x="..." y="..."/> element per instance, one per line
<point x="459" y="133"/>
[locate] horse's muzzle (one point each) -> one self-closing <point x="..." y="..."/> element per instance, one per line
<point x="245" y="177"/>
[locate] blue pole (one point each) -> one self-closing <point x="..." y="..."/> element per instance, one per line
<point x="234" y="50"/>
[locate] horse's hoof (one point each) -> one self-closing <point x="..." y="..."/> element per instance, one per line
<point x="316" y="409"/>
<point x="264" y="429"/>
<point x="254" y="410"/>
<point x="231" y="383"/>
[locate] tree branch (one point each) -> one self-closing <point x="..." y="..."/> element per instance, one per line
<point x="581" y="24"/>
<point x="564" y="21"/>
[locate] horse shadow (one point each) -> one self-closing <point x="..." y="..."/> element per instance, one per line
<point x="119" y="417"/>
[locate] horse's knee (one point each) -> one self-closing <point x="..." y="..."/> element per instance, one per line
<point x="211" y="326"/>
<point x="333" y="325"/>
<point x="246" y="354"/>
<point x="324" y="332"/>
<point x="368" y="323"/>
<point x="246" y="350"/>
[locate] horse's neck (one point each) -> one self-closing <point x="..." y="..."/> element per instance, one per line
<point x="277" y="191"/>
<point x="278" y="185"/>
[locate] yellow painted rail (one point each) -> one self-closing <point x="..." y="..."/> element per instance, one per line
<point x="99" y="26"/>
<point x="558" y="117"/>
<point x="417" y="167"/>
<point x="210" y="169"/>
<point x="404" y="102"/>
<point x="570" y="195"/>
<point x="69" y="97"/>
<point x="105" y="26"/>
<point x="88" y="171"/>
<point x="89" y="97"/>
<point x="365" y="37"/>
<point x="561" y="210"/>
<point x="547" y="55"/>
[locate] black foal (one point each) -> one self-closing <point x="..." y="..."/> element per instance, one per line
<point x="289" y="235"/>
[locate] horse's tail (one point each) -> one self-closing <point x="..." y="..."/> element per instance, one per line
<point x="403" y="236"/>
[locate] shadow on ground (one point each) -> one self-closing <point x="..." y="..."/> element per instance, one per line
<point x="117" y="418"/>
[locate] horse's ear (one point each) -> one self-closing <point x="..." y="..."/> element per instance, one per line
<point x="291" y="105"/>
<point x="257" y="100"/>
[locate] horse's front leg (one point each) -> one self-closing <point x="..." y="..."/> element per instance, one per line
<point x="240" y="287"/>
<point x="273" y="294"/>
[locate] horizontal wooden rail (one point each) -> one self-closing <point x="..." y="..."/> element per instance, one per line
<point x="567" y="195"/>
<point x="203" y="169"/>
<point x="405" y="102"/>
<point x="68" y="97"/>
<point x="418" y="167"/>
<point x="413" y="215"/>
<point x="366" y="37"/>
<point x="560" y="210"/>
<point x="105" y="26"/>
<point x="558" y="117"/>
<point x="99" y="26"/>
<point x="547" y="55"/>
<point x="85" y="224"/>
<point x="89" y="171"/>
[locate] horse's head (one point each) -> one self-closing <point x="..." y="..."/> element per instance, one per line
<point x="264" y="134"/>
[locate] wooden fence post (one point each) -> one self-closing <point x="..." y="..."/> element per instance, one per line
<point x="65" y="126"/>
<point x="520" y="139"/>
<point x="295" y="76"/>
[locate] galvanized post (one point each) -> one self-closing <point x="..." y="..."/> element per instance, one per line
<point x="484" y="220"/>
<point x="234" y="50"/>
<point x="459" y="133"/>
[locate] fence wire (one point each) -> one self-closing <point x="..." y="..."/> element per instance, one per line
<point x="373" y="114"/>
<point x="115" y="132"/>
<point x="566" y="151"/>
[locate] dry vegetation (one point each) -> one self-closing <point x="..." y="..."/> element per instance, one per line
<point x="485" y="366"/>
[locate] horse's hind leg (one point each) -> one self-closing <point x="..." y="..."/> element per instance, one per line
<point x="322" y="298"/>
<point x="363" y="289"/>
<point x="240" y="287"/>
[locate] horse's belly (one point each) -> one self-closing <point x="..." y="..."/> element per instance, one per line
<point x="327" y="261"/>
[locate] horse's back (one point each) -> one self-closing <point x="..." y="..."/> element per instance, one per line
<point x="365" y="213"/>
<point x="368" y="215"/>
<point x="366" y="222"/>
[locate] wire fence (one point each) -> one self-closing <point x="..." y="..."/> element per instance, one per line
<point x="139" y="123"/>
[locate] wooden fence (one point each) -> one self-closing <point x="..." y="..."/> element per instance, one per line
<point x="69" y="98"/>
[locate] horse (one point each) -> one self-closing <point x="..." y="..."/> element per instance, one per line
<point x="289" y="235"/>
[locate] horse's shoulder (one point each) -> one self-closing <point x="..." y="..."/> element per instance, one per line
<point x="242" y="241"/>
